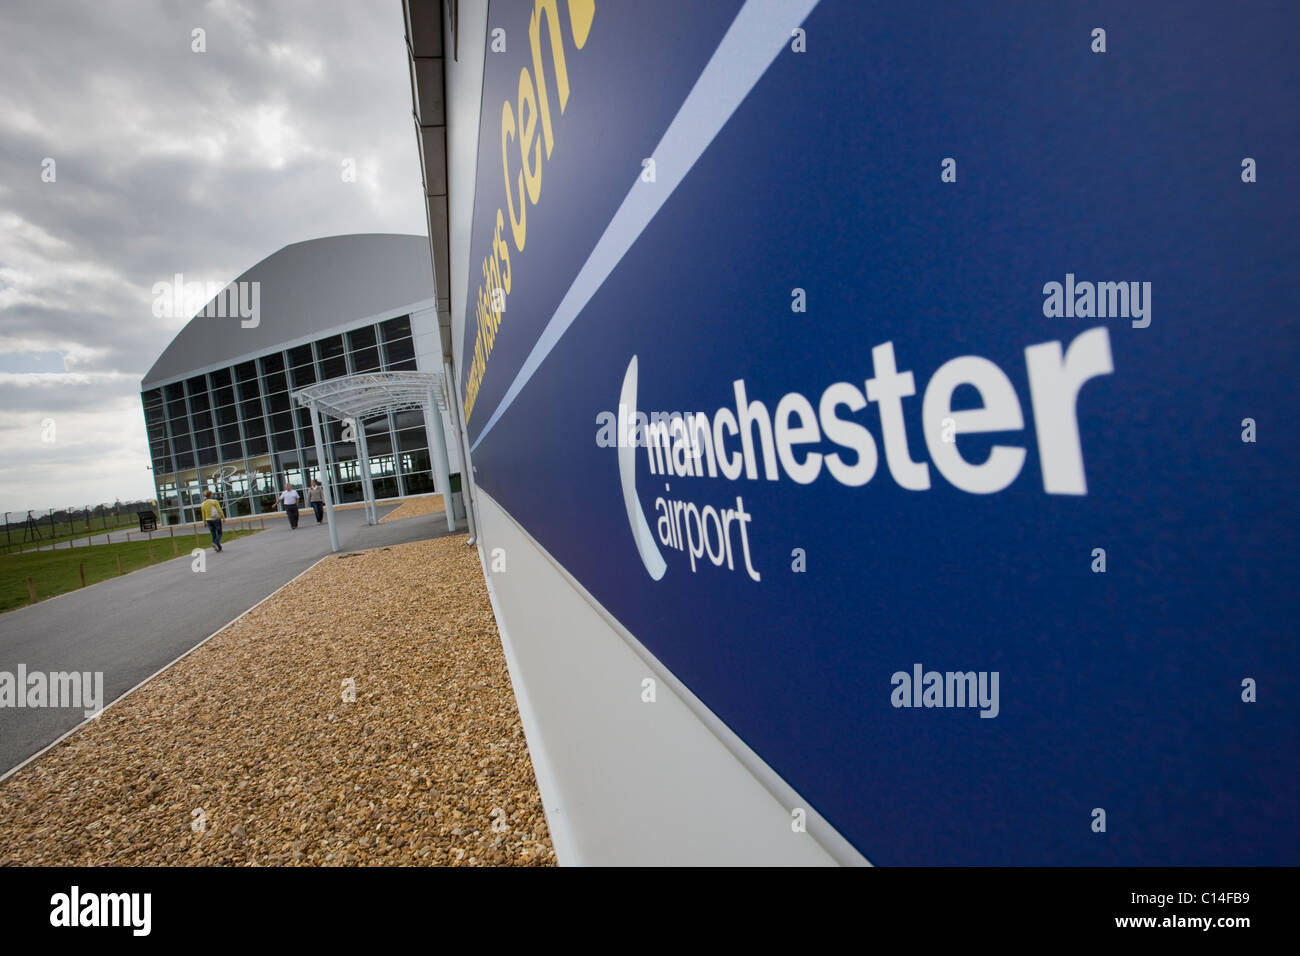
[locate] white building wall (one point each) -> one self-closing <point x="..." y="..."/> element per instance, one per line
<point x="428" y="358"/>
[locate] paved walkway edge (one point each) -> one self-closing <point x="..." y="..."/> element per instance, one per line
<point x="54" y="743"/>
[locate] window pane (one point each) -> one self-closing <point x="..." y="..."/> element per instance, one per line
<point x="305" y="435"/>
<point x="300" y="355"/>
<point x="332" y="362"/>
<point x="399" y="354"/>
<point x="378" y="443"/>
<point x="343" y="449"/>
<point x="366" y="360"/>
<point x="198" y="392"/>
<point x="246" y="374"/>
<point x="155" y="416"/>
<point x="408" y="419"/>
<point x="410" y="439"/>
<point x="362" y="346"/>
<point x="303" y="375"/>
<point x="399" y="328"/>
<point x="363" y="338"/>
<point x="413" y="461"/>
<point x="420" y="483"/>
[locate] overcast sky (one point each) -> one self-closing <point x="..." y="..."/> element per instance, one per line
<point x="168" y="160"/>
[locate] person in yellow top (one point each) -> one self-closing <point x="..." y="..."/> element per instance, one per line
<point x="213" y="515"/>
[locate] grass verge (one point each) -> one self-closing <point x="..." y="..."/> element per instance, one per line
<point x="57" y="572"/>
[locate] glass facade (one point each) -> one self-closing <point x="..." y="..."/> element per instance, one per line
<point x="238" y="433"/>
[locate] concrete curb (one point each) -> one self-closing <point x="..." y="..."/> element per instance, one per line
<point x="54" y="743"/>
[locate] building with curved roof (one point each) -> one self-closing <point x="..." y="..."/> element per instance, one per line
<point x="217" y="402"/>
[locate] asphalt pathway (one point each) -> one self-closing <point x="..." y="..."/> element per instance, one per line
<point x="129" y="627"/>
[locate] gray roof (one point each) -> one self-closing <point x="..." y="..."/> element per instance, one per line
<point x="305" y="288"/>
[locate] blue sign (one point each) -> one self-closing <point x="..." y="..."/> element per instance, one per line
<point x="918" y="385"/>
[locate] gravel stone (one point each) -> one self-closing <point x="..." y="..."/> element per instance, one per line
<point x="246" y="753"/>
<point x="414" y="507"/>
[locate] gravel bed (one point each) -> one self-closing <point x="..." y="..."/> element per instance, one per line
<point x="246" y="753"/>
<point x="427" y="505"/>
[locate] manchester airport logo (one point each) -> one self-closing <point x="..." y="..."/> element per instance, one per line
<point x="803" y="442"/>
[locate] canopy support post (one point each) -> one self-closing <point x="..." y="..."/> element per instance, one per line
<point x="325" y="485"/>
<point x="367" y="486"/>
<point x="438" y="451"/>
<point x="467" y="491"/>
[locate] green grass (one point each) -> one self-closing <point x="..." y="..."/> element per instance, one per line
<point x="56" y="572"/>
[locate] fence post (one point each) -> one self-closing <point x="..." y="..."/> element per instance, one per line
<point x="175" y="550"/>
<point x="31" y="590"/>
<point x="117" y="556"/>
<point x="81" y="569"/>
<point x="151" y="558"/>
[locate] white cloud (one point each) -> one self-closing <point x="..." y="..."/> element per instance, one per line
<point x="170" y="161"/>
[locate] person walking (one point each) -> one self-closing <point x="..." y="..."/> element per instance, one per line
<point x="289" y="498"/>
<point x="316" y="498"/>
<point x="213" y="515"/>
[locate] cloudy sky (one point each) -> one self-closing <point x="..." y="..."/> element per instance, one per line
<point x="168" y="160"/>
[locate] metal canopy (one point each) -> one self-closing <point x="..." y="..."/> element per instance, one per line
<point x="367" y="395"/>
